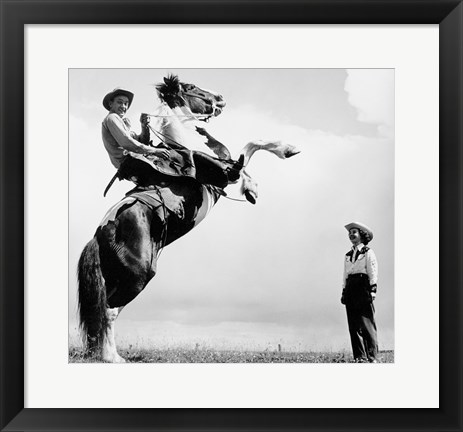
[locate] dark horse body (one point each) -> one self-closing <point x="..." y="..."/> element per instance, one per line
<point x="120" y="260"/>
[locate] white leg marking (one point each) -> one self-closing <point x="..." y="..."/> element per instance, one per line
<point x="109" y="350"/>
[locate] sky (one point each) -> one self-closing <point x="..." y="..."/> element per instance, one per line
<point x="254" y="276"/>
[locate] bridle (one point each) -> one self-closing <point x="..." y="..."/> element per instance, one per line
<point x="201" y="117"/>
<point x="209" y="101"/>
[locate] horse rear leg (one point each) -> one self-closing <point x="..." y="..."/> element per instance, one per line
<point x="109" y="352"/>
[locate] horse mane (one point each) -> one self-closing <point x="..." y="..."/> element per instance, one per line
<point x="168" y="91"/>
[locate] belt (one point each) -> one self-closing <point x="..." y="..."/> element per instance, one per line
<point x="357" y="276"/>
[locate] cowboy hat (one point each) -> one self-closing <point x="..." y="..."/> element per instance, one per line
<point x="117" y="91"/>
<point x="360" y="227"/>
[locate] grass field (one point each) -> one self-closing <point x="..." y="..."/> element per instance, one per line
<point x="76" y="355"/>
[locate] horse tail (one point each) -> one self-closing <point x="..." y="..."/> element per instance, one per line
<point x="92" y="296"/>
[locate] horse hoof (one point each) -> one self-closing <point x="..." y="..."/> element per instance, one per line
<point x="250" y="196"/>
<point x="114" y="359"/>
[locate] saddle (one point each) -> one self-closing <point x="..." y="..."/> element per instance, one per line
<point x="148" y="170"/>
<point x="179" y="164"/>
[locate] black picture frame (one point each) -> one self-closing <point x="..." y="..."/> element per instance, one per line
<point x="16" y="13"/>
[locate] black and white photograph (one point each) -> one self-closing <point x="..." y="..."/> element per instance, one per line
<point x="231" y="215"/>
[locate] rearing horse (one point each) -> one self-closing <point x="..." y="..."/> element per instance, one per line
<point x="120" y="260"/>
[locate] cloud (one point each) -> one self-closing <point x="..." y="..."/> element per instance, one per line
<point x="371" y="93"/>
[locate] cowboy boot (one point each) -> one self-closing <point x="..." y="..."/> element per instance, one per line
<point x="234" y="171"/>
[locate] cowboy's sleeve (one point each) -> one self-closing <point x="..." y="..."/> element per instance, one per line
<point x="344" y="277"/>
<point x="123" y="137"/>
<point x="372" y="269"/>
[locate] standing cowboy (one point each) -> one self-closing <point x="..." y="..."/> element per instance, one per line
<point x="118" y="139"/>
<point x="359" y="292"/>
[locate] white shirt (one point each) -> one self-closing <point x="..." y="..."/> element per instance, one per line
<point x="365" y="263"/>
<point x="117" y="137"/>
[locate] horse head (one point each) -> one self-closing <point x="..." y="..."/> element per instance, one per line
<point x="199" y="101"/>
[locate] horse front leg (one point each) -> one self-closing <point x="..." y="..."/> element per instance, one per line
<point x="217" y="147"/>
<point x="278" y="148"/>
<point x="109" y="352"/>
<point x="248" y="187"/>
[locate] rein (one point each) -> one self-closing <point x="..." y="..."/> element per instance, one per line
<point x="160" y="136"/>
<point x="234" y="199"/>
<point x="192" y="116"/>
